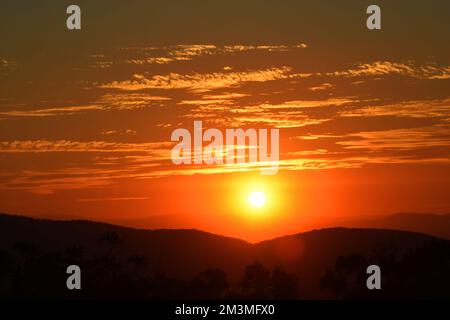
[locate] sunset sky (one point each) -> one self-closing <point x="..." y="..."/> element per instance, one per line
<point x="86" y="116"/>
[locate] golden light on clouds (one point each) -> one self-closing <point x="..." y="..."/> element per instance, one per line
<point x="112" y="131"/>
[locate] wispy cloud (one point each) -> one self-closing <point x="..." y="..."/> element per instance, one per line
<point x="289" y="114"/>
<point x="112" y="199"/>
<point x="410" y="69"/>
<point x="106" y="102"/>
<point x="403" y="139"/>
<point x="322" y="87"/>
<point x="38" y="146"/>
<point x="416" y="109"/>
<point x="8" y="63"/>
<point x="187" y="52"/>
<point x="326" y="121"/>
<point x="46" y="112"/>
<point x="200" y="82"/>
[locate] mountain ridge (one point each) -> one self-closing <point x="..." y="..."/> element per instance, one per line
<point x="186" y="253"/>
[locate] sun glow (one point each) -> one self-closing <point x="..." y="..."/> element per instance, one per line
<point x="257" y="199"/>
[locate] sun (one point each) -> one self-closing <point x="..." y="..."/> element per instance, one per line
<point x="257" y="199"/>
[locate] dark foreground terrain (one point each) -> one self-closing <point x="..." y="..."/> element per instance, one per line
<point x="125" y="263"/>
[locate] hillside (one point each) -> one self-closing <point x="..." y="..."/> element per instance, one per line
<point x="432" y="224"/>
<point x="183" y="254"/>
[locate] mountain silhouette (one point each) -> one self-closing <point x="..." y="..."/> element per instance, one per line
<point x="437" y="225"/>
<point x="190" y="263"/>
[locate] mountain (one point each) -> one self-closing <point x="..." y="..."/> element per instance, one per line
<point x="164" y="248"/>
<point x="178" y="259"/>
<point x="437" y="225"/>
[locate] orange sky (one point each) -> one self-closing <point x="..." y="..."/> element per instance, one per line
<point x="86" y="117"/>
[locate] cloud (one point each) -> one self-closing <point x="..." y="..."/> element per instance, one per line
<point x="304" y="104"/>
<point x="39" y="146"/>
<point x="322" y="87"/>
<point x="112" y="199"/>
<point x="225" y="96"/>
<point x="92" y="164"/>
<point x="379" y="68"/>
<point x="414" y="109"/>
<point x="403" y="139"/>
<point x="327" y="122"/>
<point x="8" y="64"/>
<point x="46" y="112"/>
<point x="4" y="63"/>
<point x="118" y="132"/>
<point x="107" y="102"/>
<point x="130" y="101"/>
<point x="168" y="54"/>
<point x="200" y="82"/>
<point x="289" y="114"/>
<point x="187" y="52"/>
<point x="47" y="182"/>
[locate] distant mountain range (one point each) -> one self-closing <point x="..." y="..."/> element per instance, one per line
<point x="183" y="254"/>
<point x="432" y="224"/>
<point x="437" y="225"/>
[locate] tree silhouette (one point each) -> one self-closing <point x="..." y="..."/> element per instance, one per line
<point x="164" y="287"/>
<point x="25" y="249"/>
<point x="110" y="239"/>
<point x="209" y="284"/>
<point x="256" y="281"/>
<point x="74" y="255"/>
<point x="284" y="286"/>
<point x="421" y="273"/>
<point x="30" y="271"/>
<point x="7" y="267"/>
<point x="425" y="272"/>
<point x="347" y="277"/>
<point x="138" y="263"/>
